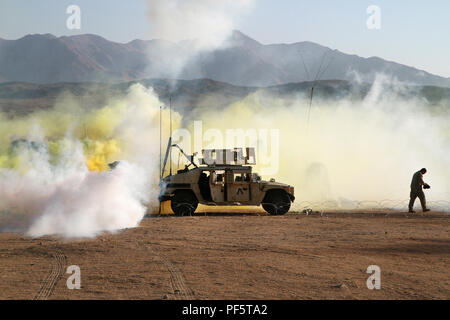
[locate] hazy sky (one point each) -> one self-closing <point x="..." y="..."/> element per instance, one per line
<point x="414" y="32"/>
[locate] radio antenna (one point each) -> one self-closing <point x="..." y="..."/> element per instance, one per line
<point x="160" y="153"/>
<point x="320" y="73"/>
<point x="170" y="106"/>
<point x="160" y="143"/>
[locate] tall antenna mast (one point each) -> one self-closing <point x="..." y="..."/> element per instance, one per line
<point x="170" y="158"/>
<point x="160" y="151"/>
<point x="319" y="75"/>
<point x="86" y="136"/>
<point x="160" y="138"/>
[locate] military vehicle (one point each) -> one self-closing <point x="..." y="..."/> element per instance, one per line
<point x="223" y="177"/>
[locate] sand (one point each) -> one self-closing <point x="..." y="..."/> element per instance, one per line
<point x="239" y="256"/>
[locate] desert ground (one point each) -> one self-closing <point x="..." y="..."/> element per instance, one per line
<point x="239" y="256"/>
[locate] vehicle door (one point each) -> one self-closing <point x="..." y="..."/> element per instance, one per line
<point x="238" y="190"/>
<point x="217" y="183"/>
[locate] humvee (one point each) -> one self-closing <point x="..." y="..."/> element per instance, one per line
<point x="223" y="178"/>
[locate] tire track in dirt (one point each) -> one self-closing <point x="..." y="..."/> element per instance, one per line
<point x="181" y="290"/>
<point x="58" y="263"/>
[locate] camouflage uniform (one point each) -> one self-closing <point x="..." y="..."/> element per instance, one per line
<point x="417" y="191"/>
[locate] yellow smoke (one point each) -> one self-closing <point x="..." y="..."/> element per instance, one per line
<point x="113" y="132"/>
<point x="99" y="153"/>
<point x="348" y="150"/>
<point x="100" y="148"/>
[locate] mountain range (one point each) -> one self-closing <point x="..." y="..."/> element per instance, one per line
<point x="44" y="58"/>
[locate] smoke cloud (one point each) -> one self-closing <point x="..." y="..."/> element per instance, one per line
<point x="350" y="150"/>
<point x="55" y="179"/>
<point x="209" y="22"/>
<point x="189" y="28"/>
<point x="54" y="174"/>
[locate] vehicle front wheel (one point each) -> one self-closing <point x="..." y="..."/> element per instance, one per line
<point x="277" y="203"/>
<point x="183" y="203"/>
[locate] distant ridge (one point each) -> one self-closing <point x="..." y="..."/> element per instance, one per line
<point x="187" y="95"/>
<point x="44" y="58"/>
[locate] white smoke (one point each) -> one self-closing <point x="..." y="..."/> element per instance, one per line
<point x="69" y="200"/>
<point x="189" y="28"/>
<point x="208" y="21"/>
<point x="41" y="196"/>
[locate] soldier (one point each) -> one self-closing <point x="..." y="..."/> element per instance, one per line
<point x="417" y="191"/>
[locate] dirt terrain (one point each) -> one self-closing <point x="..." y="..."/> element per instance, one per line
<point x="239" y="256"/>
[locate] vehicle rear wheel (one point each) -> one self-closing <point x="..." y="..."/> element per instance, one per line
<point x="277" y="203"/>
<point x="183" y="203"/>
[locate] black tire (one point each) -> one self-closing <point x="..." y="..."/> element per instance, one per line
<point x="184" y="203"/>
<point x="276" y="203"/>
